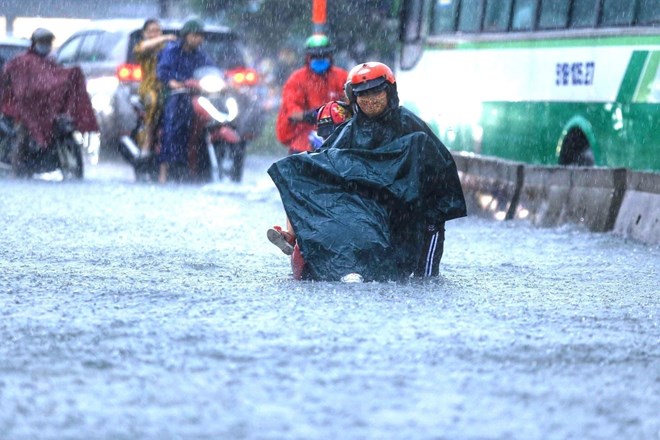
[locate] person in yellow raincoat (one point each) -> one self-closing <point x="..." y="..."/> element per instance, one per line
<point x="146" y="53"/>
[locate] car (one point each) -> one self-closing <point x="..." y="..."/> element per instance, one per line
<point x="10" y="47"/>
<point x="104" y="52"/>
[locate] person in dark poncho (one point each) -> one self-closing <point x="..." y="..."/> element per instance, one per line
<point x="375" y="199"/>
<point x="35" y="91"/>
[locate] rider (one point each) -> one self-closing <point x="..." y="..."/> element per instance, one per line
<point x="176" y="64"/>
<point x="33" y="81"/>
<point x="308" y="88"/>
<point x="376" y="198"/>
<point x="146" y="53"/>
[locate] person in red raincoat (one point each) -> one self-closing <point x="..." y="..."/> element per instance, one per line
<point x="36" y="90"/>
<point x="307" y="89"/>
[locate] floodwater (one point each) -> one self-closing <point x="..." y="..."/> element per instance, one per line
<point x="134" y="311"/>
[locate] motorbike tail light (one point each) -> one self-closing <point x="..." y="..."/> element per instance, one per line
<point x="129" y="73"/>
<point x="243" y="77"/>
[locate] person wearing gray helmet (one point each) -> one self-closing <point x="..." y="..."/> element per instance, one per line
<point x="42" y="42"/>
<point x="36" y="93"/>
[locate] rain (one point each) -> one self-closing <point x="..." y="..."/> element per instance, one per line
<point x="137" y="310"/>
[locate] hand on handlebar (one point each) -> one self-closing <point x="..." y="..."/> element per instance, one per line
<point x="191" y="83"/>
<point x="187" y="84"/>
<point x="175" y="85"/>
<point x="308" y="117"/>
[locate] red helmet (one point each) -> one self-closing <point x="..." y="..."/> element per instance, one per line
<point x="366" y="76"/>
<point x="330" y="115"/>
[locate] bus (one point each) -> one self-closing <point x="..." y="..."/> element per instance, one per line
<point x="568" y="82"/>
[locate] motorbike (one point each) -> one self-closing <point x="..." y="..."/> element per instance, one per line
<point x="216" y="149"/>
<point x="64" y="153"/>
<point x="144" y="167"/>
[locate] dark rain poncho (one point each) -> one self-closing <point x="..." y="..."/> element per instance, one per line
<point x="36" y="90"/>
<point x="364" y="203"/>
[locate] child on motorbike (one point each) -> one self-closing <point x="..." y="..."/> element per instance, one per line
<point x="329" y="116"/>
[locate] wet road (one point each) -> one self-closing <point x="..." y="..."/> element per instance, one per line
<point x="136" y="311"/>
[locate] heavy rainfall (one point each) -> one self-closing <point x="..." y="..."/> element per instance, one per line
<point x="137" y="310"/>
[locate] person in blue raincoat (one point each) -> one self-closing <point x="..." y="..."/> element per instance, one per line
<point x="375" y="199"/>
<point x="176" y="64"/>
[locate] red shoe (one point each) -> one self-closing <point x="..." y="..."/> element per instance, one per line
<point x="282" y="239"/>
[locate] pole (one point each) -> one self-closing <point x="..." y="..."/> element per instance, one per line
<point x="319" y="10"/>
<point x="164" y="9"/>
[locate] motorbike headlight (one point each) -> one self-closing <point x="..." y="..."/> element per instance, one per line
<point x="212" y="84"/>
<point x="100" y="91"/>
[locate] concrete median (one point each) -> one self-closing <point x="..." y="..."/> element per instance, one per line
<point x="594" y="198"/>
<point x="602" y="199"/>
<point x="544" y="193"/>
<point x="639" y="215"/>
<point x="491" y="186"/>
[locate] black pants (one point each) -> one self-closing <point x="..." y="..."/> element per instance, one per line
<point x="434" y="244"/>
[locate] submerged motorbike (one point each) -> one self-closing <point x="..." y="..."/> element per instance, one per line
<point x="63" y="153"/>
<point x="215" y="149"/>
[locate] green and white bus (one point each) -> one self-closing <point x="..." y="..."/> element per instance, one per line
<point x="570" y="82"/>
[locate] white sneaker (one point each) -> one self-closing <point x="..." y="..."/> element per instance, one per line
<point x="352" y="278"/>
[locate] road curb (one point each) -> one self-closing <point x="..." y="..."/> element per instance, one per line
<point x="602" y="199"/>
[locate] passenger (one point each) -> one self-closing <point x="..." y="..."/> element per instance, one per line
<point x="177" y="63"/>
<point x="375" y="199"/>
<point x="330" y="116"/>
<point x="146" y="53"/>
<point x="307" y="89"/>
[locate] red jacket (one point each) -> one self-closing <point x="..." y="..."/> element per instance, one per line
<point x="304" y="91"/>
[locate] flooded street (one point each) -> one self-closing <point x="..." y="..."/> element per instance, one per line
<point x="138" y="311"/>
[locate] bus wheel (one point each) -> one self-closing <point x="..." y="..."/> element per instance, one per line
<point x="576" y="151"/>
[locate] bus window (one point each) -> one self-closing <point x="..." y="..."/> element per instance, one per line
<point x="618" y="13"/>
<point x="469" y="19"/>
<point x="584" y="14"/>
<point x="524" y="15"/>
<point x="444" y="16"/>
<point x="554" y="14"/>
<point x="654" y="96"/>
<point x="649" y="12"/>
<point x="497" y="15"/>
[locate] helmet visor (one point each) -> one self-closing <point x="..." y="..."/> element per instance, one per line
<point x="368" y="85"/>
